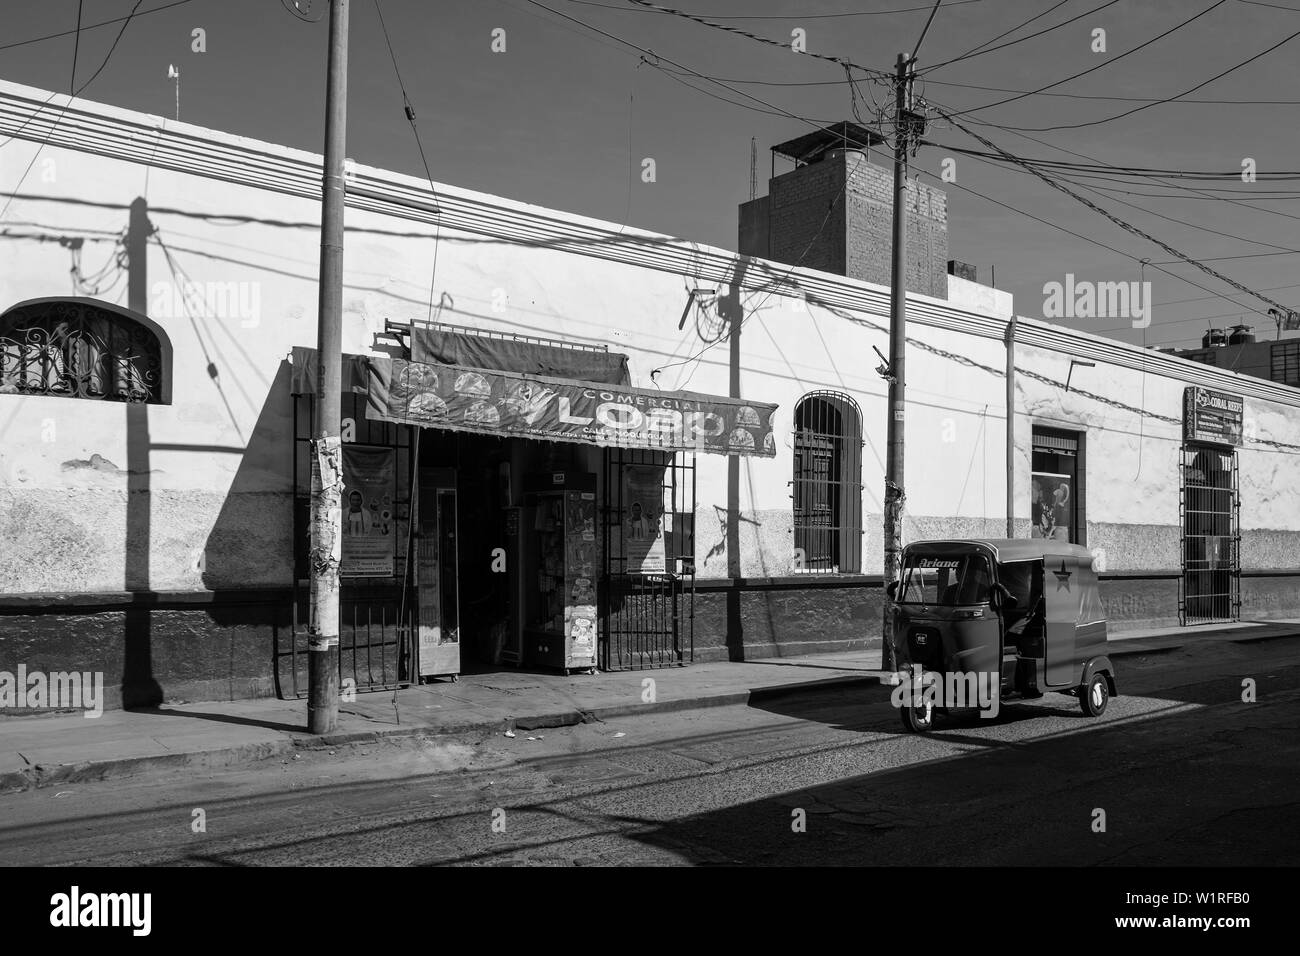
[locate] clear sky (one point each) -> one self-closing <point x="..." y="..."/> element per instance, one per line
<point x="564" y="116"/>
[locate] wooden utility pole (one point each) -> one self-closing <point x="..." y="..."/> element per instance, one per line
<point x="894" y="497"/>
<point x="327" y="457"/>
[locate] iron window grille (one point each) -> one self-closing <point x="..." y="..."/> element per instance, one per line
<point x="827" y="484"/>
<point x="75" y="348"/>
<point x="1286" y="363"/>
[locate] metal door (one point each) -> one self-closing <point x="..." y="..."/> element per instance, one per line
<point x="1210" y="509"/>
<point x="1061" y="595"/>
<point x="647" y="599"/>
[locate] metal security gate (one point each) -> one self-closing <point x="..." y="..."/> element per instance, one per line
<point x="827" y="483"/>
<point x="1209" y="506"/>
<point x="647" y="599"/>
<point x="377" y="615"/>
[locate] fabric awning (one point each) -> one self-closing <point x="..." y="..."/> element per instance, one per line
<point x="440" y="346"/>
<point x="514" y="405"/>
<point x="302" y="377"/>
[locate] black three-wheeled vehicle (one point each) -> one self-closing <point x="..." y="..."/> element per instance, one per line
<point x="1025" y="614"/>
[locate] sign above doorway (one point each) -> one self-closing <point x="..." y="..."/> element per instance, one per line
<point x="510" y="404"/>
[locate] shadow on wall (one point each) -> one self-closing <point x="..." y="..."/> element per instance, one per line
<point x="250" y="548"/>
<point x="251" y="542"/>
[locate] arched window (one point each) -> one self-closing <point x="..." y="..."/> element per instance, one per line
<point x="828" y="483"/>
<point x="83" y="348"/>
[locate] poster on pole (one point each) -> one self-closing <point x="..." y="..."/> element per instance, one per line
<point x="369" y="517"/>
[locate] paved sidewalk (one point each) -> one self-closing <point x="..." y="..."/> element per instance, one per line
<point x="47" y="750"/>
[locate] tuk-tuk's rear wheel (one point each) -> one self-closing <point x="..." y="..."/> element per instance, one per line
<point x="1094" y="696"/>
<point x="918" y="720"/>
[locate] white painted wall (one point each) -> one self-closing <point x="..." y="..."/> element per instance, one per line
<point x="220" y="454"/>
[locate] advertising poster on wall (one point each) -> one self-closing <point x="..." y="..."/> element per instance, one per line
<point x="1051" y="506"/>
<point x="580" y="576"/>
<point x="643" y="519"/>
<point x="369" y="517"/>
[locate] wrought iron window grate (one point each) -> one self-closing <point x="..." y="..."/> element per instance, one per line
<point x="76" y="349"/>
<point x="827" y="483"/>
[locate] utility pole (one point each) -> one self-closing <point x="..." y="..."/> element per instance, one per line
<point x="326" y="453"/>
<point x="1011" y="427"/>
<point x="904" y="122"/>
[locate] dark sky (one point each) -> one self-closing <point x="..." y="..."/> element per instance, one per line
<point x="564" y="116"/>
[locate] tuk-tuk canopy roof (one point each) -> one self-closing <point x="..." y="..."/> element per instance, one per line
<point x="1005" y="550"/>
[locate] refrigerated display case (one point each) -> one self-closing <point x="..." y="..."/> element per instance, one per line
<point x="560" y="625"/>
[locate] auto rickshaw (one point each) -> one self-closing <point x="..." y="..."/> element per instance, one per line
<point x="1023" y="615"/>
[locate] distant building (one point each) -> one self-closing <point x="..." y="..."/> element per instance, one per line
<point x="834" y="212"/>
<point x="1235" y="350"/>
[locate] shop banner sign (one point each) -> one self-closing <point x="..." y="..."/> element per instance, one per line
<point x="509" y="404"/>
<point x="369" y="525"/>
<point x="1213" y="417"/>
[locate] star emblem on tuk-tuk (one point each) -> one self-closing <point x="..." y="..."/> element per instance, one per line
<point x="1062" y="577"/>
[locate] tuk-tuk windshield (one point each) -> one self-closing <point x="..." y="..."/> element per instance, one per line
<point x="945" y="580"/>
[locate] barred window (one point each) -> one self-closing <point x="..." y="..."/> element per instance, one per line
<point x="1286" y="363"/>
<point x="83" y="348"/>
<point x="828" y="483"/>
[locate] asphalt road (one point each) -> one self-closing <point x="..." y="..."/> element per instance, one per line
<point x="1184" y="771"/>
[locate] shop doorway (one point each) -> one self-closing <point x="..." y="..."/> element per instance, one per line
<point x="648" y="598"/>
<point x="474" y="466"/>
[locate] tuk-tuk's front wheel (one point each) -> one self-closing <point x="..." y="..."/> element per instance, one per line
<point x="918" y="720"/>
<point x="1094" y="695"/>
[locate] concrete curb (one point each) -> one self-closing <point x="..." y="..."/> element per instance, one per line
<point x="1168" y="644"/>
<point x="41" y="777"/>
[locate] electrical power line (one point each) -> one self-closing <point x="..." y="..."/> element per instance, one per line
<point x="1147" y="106"/>
<point x="63" y="110"/>
<point x="76" y="47"/>
<point x="847" y="64"/>
<point x="654" y="61"/>
<point x="793" y="16"/>
<point x="1128" y="227"/>
<point x="1230" y="174"/>
<point x="1275" y="6"/>
<point x="1185" y="101"/>
<point x="1100" y="66"/>
<point x="838" y="61"/>
<point x="1159" y="266"/>
<point x="410" y="117"/>
<point x="978" y="52"/>
<point x="1182" y="222"/>
<point x="92" y="26"/>
<point x="1016" y="28"/>
<point x="1196" y="193"/>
